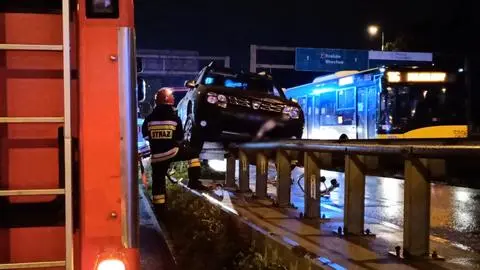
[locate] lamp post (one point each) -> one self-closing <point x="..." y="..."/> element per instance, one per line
<point x="373" y="31"/>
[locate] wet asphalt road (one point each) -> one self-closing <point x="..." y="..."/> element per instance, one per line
<point x="455" y="211"/>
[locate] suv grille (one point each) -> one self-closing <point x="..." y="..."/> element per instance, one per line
<point x="264" y="106"/>
<point x="239" y="101"/>
<point x="272" y="107"/>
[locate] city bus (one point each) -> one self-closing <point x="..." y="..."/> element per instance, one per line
<point x="384" y="102"/>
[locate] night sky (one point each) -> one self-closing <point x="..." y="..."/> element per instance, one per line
<point x="215" y="27"/>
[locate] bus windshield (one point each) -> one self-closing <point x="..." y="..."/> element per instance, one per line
<point x="407" y="107"/>
<point x="241" y="81"/>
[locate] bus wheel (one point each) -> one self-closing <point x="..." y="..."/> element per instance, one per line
<point x="343" y="138"/>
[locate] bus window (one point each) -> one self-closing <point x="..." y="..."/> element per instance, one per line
<point x="327" y="109"/>
<point x="316" y="116"/>
<point x="309" y="116"/>
<point x="346" y="99"/>
<point x="404" y="104"/>
<point x="346" y="106"/>
<point x="372" y="104"/>
<point x="362" y="107"/>
<point x="387" y="109"/>
<point x="415" y="106"/>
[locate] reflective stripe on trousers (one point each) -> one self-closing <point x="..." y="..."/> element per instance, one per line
<point x="194" y="163"/>
<point x="159" y="199"/>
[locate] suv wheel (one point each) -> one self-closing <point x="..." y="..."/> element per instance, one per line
<point x="192" y="134"/>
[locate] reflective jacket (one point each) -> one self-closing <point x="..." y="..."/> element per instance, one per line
<point x="163" y="130"/>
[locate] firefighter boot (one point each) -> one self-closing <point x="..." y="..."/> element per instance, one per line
<point x="194" y="172"/>
<point x="159" y="205"/>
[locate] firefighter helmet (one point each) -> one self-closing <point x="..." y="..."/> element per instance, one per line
<point x="164" y="96"/>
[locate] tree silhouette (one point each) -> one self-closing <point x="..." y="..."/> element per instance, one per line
<point x="399" y="44"/>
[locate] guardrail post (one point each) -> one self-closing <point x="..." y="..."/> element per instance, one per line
<point x="284" y="178"/>
<point x="244" y="175"/>
<point x="354" y="194"/>
<point x="262" y="176"/>
<point x="437" y="168"/>
<point x="312" y="185"/>
<point x="372" y="162"/>
<point x="230" y="173"/>
<point x="416" y="227"/>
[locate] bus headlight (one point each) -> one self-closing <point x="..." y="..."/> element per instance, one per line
<point x="291" y="112"/>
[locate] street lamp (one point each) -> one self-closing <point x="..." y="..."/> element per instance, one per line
<point x="373" y="31"/>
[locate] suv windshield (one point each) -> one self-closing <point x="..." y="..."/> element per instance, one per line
<point x="407" y="107"/>
<point x="247" y="82"/>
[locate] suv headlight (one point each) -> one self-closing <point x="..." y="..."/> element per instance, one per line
<point x="291" y="112"/>
<point x="212" y="98"/>
<point x="219" y="99"/>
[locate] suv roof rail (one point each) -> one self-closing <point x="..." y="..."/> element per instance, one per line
<point x="265" y="74"/>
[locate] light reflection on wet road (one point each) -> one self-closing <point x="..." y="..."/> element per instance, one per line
<point x="455" y="211"/>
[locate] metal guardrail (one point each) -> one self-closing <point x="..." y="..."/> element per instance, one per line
<point x="317" y="155"/>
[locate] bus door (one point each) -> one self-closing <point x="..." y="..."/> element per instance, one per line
<point x="372" y="101"/>
<point x="316" y="118"/>
<point x="366" y="112"/>
<point x="309" y="117"/>
<point x="362" y="107"/>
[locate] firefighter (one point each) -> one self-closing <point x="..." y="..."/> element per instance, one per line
<point x="163" y="130"/>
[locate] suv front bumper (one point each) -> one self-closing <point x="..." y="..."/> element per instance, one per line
<point x="239" y="124"/>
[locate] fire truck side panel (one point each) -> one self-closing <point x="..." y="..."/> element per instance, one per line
<point x="100" y="136"/>
<point x="99" y="127"/>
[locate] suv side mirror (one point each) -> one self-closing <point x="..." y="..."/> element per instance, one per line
<point x="190" y="84"/>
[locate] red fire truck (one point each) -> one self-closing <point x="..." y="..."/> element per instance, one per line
<point x="68" y="142"/>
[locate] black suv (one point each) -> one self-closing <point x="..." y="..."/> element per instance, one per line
<point x="227" y="106"/>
